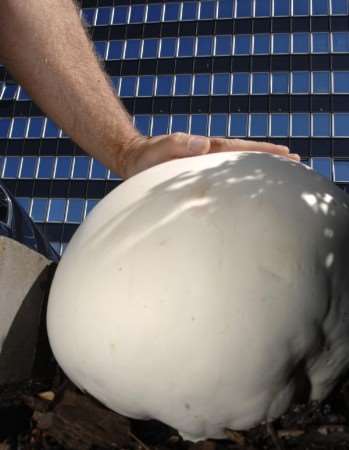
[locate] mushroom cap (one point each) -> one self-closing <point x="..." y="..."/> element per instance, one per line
<point x="208" y="293"/>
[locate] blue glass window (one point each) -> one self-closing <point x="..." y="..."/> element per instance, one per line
<point x="51" y="129"/>
<point x="57" y="210"/>
<point x="98" y="171"/>
<point x="104" y="16"/>
<point x="115" y="81"/>
<point x="23" y="95"/>
<point x="321" y="125"/>
<point x="300" y="82"/>
<point x="238" y="125"/>
<point x="301" y="7"/>
<point x="75" y="211"/>
<point x="4" y="127"/>
<point x="168" y="47"/>
<point x="137" y="13"/>
<point x="339" y="7"/>
<point x="28" y="169"/>
<point x="341" y="124"/>
<point x="90" y="204"/>
<point x="45" y="167"/>
<point x="160" y="124"/>
<point x="320" y="7"/>
<point x="24" y="202"/>
<point x="202" y="84"/>
<point x="35" y="128"/>
<point x="11" y="166"/>
<point x="261" y="44"/>
<point x="300" y="125"/>
<point x="116" y="49"/>
<point x="323" y="166"/>
<point x="207" y="9"/>
<point x="120" y="15"/>
<point x="81" y="167"/>
<point x="260" y="83"/>
<point x="258" y="125"/>
<point x="280" y="82"/>
<point x="101" y="48"/>
<point x="242" y="44"/>
<point x="150" y="48"/>
<point x="88" y="15"/>
<point x="218" y="125"/>
<point x="204" y="46"/>
<point x="224" y="45"/>
<point x="133" y="47"/>
<point x="281" y="8"/>
<point x="281" y="43"/>
<point x="243" y="8"/>
<point x="180" y="122"/>
<point x="320" y="43"/>
<point x="341" y="170"/>
<point x="262" y="8"/>
<point x="164" y="85"/>
<point x="128" y="86"/>
<point x="154" y="13"/>
<point x="171" y="12"/>
<point x="19" y="127"/>
<point x="321" y="82"/>
<point x="146" y="86"/>
<point x="57" y="246"/>
<point x="340" y="41"/>
<point x="189" y="11"/>
<point x="142" y="123"/>
<point x="241" y="82"/>
<point x="9" y="92"/>
<point x="39" y="209"/>
<point x="279" y="125"/>
<point x="183" y="84"/>
<point x="300" y="43"/>
<point x="221" y="84"/>
<point x="63" y="167"/>
<point x="225" y="9"/>
<point x="199" y="124"/>
<point x="341" y="82"/>
<point x="186" y="46"/>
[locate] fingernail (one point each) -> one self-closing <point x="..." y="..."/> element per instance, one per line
<point x="283" y="148"/>
<point x="197" y="145"/>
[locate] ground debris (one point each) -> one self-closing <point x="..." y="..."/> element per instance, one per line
<point x="66" y="419"/>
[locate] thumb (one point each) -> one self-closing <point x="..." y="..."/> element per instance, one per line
<point x="198" y="145"/>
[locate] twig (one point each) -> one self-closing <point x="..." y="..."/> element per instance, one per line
<point x="135" y="438"/>
<point x="274" y="437"/>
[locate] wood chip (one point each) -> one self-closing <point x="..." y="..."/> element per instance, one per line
<point x="47" y="395"/>
<point x="235" y="437"/>
<point x="290" y="433"/>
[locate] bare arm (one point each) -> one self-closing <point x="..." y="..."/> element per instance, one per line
<point x="45" y="47"/>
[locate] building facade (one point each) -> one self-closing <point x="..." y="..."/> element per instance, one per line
<point x="271" y="70"/>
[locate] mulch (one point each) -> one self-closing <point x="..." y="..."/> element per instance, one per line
<point x="66" y="419"/>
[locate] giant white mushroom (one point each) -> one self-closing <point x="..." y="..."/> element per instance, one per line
<point x="208" y="293"/>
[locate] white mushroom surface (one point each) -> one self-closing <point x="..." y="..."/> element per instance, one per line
<point x="208" y="293"/>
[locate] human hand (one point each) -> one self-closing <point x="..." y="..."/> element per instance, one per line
<point x="143" y="152"/>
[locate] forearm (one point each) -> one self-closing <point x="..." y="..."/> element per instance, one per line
<point x="45" y="47"/>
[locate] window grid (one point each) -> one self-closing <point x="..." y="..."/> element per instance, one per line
<point x="317" y="82"/>
<point x="41" y="209"/>
<point x="210" y="10"/>
<point x="50" y="167"/>
<point x="238" y="45"/>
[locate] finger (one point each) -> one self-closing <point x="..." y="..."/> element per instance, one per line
<point x="221" y="144"/>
